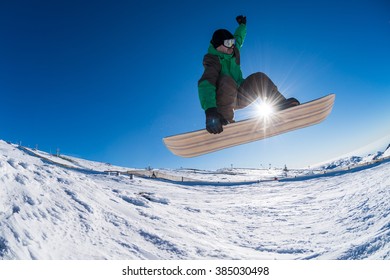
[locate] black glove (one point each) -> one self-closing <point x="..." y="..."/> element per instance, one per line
<point x="214" y="121"/>
<point x="241" y="19"/>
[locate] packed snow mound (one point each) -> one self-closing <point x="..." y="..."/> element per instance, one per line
<point x="342" y="163"/>
<point x="387" y="152"/>
<point x="50" y="210"/>
<point x="352" y="161"/>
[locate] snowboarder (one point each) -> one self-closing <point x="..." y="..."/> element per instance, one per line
<point x="222" y="88"/>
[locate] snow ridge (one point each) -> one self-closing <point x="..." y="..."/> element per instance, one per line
<point x="72" y="209"/>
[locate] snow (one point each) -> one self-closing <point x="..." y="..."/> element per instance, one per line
<point x="68" y="208"/>
<point x="387" y="152"/>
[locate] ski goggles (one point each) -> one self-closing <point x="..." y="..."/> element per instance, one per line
<point x="229" y="43"/>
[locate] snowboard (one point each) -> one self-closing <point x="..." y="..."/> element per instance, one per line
<point x="201" y="142"/>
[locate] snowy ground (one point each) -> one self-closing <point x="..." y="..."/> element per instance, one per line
<point x="49" y="211"/>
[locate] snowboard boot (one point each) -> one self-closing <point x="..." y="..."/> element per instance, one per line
<point x="288" y="103"/>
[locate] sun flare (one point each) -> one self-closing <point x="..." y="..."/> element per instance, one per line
<point x="264" y="109"/>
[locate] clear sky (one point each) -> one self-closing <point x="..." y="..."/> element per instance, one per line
<point x="107" y="80"/>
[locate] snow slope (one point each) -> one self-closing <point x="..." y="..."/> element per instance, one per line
<point x="54" y="211"/>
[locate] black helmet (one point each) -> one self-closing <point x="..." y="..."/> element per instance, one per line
<point x="219" y="36"/>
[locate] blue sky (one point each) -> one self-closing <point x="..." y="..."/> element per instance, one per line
<point x="107" y="80"/>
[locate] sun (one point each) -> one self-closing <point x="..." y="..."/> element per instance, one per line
<point x="264" y="109"/>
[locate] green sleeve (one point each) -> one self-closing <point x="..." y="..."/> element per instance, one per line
<point x="207" y="84"/>
<point x="207" y="95"/>
<point x="240" y="35"/>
